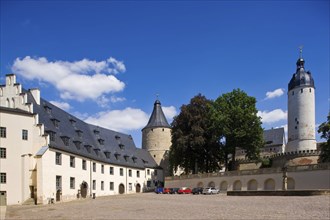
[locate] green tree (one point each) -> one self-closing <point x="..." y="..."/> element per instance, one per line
<point x="237" y="124"/>
<point x="324" y="128"/>
<point x="194" y="144"/>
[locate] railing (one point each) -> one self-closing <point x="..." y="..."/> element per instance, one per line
<point x="322" y="166"/>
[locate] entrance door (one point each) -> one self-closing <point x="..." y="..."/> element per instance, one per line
<point x="58" y="195"/>
<point x="3" y="198"/>
<point x="121" y="189"/>
<point x="83" y="189"/>
<point x="138" y="188"/>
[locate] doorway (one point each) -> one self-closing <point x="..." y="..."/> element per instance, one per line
<point x="83" y="189"/>
<point x="121" y="188"/>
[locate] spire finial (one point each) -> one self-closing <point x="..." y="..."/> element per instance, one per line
<point x="157" y="96"/>
<point x="300" y="51"/>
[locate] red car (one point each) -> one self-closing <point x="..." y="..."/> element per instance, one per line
<point x="166" y="190"/>
<point x="184" y="190"/>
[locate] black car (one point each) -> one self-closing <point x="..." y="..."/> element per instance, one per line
<point x="174" y="190"/>
<point x="197" y="190"/>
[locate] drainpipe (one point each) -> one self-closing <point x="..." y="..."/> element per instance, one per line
<point x="90" y="178"/>
<point x="126" y="181"/>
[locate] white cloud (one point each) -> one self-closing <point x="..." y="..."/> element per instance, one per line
<point x="79" y="80"/>
<point x="115" y="99"/>
<point x="273" y="94"/>
<point x="120" y="120"/>
<point x="169" y="112"/>
<point x="272" y="116"/>
<point x="62" y="105"/>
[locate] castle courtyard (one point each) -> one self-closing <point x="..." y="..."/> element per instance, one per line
<point x="154" y="206"/>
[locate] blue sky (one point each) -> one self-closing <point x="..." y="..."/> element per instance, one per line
<point x="105" y="61"/>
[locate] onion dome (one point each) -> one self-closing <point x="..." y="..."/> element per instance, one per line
<point x="301" y="78"/>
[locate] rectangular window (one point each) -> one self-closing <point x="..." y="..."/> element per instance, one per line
<point x="148" y="171"/>
<point x="102" y="168"/>
<point x="137" y="173"/>
<point x="3" y="178"/>
<point x="94" y="167"/>
<point x="130" y="188"/>
<point x="3" y="132"/>
<point x="58" y="182"/>
<point x="121" y="172"/>
<point x="24" y="134"/>
<point x="102" y="185"/>
<point x="72" y="182"/>
<point x="3" y="153"/>
<point x="130" y="173"/>
<point x="111" y="186"/>
<point x="94" y="184"/>
<point x="51" y="135"/>
<point x="72" y="161"/>
<point x="84" y="164"/>
<point x="111" y="171"/>
<point x="58" y="158"/>
<point x="155" y="172"/>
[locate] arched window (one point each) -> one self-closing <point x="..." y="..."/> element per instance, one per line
<point x="252" y="185"/>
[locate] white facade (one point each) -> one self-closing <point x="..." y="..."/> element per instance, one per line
<point x="31" y="168"/>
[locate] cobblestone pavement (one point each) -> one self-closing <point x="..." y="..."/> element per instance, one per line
<point x="153" y="206"/>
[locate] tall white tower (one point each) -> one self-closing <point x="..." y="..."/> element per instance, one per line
<point x="156" y="137"/>
<point x="301" y="110"/>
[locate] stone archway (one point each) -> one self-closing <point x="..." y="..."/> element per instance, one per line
<point x="269" y="184"/>
<point x="121" y="188"/>
<point x="200" y="184"/>
<point x="237" y="186"/>
<point x="138" y="188"/>
<point x="83" y="189"/>
<point x="252" y="185"/>
<point x="223" y="186"/>
<point x="291" y="183"/>
<point x="211" y="184"/>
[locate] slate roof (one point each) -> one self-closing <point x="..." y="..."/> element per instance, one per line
<point x="301" y="78"/>
<point x="274" y="136"/>
<point x="157" y="118"/>
<point x="88" y="140"/>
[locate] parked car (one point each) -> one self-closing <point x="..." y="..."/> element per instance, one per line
<point x="184" y="190"/>
<point x="174" y="190"/>
<point x="210" y="190"/>
<point x="166" y="190"/>
<point x="159" y="190"/>
<point x="197" y="190"/>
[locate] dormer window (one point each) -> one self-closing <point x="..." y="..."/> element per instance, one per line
<point x="117" y="155"/>
<point x="144" y="161"/>
<point x="121" y="146"/>
<point x="117" y="137"/>
<point x="65" y="140"/>
<point x="107" y="154"/>
<point x="73" y="122"/>
<point x="126" y="157"/>
<point x="48" y="109"/>
<point x="88" y="148"/>
<point x="134" y="159"/>
<point x="97" y="150"/>
<point x="52" y="135"/>
<point x="55" y="122"/>
<point x="78" y="144"/>
<point x="96" y="132"/>
<point x="79" y="133"/>
<point x="101" y="141"/>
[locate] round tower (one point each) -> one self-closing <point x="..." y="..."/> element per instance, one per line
<point x="301" y="110"/>
<point x="156" y="137"/>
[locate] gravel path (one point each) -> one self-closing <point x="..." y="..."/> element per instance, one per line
<point x="153" y="206"/>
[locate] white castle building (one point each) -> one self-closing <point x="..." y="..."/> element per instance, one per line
<point x="48" y="155"/>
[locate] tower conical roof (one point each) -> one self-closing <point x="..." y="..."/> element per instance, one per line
<point x="157" y="118"/>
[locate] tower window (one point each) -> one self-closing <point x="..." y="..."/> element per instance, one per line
<point x="292" y="92"/>
<point x="295" y="127"/>
<point x="310" y="90"/>
<point x="301" y="90"/>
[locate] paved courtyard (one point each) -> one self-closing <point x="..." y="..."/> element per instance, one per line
<point x="153" y="206"/>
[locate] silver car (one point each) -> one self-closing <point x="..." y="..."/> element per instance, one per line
<point x="210" y="190"/>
